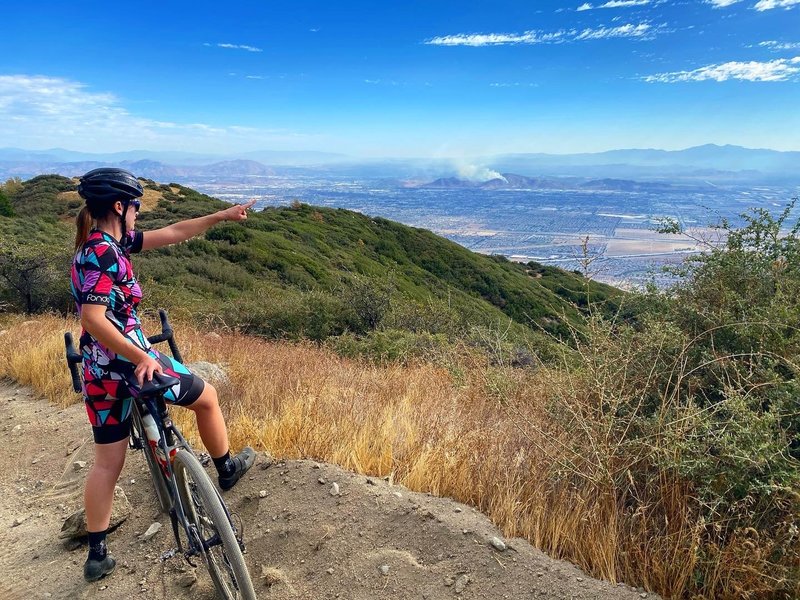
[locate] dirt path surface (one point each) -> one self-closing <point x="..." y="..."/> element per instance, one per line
<point x="372" y="540"/>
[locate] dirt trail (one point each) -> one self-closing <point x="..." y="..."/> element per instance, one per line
<point x="321" y="546"/>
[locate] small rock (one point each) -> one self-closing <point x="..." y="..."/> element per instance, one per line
<point x="103" y="587"/>
<point x="329" y="571"/>
<point x="151" y="531"/>
<point x="321" y="480"/>
<point x="384" y="569"/>
<point x="17" y="428"/>
<point x="458" y="510"/>
<point x="579" y="579"/>
<point x="461" y="584"/>
<point x="262" y="494"/>
<point x="498" y="544"/>
<point x="316" y="466"/>
<point x="334" y="491"/>
<point x="187" y="579"/>
<point x="397" y="494"/>
<point x="34" y="461"/>
<point x="78" y="464"/>
<point x="75" y="525"/>
<point x="208" y="371"/>
<point x="643" y="595"/>
<point x="18" y="521"/>
<point x="448" y="581"/>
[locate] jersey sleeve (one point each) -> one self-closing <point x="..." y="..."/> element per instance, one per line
<point x="133" y="242"/>
<point x="97" y="273"/>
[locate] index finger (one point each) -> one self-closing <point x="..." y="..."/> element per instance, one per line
<point x="249" y="204"/>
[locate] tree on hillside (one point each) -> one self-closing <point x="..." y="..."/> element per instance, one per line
<point x="32" y="275"/>
<point x="6" y="210"/>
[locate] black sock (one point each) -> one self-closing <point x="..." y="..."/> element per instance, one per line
<point x="97" y="545"/>
<point x="224" y="464"/>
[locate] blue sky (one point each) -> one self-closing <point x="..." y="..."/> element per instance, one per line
<point x="392" y="78"/>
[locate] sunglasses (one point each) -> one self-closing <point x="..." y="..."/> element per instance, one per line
<point x="136" y="204"/>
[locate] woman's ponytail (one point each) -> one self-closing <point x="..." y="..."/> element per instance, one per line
<point x="84" y="226"/>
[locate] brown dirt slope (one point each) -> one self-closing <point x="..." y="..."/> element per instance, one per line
<point x="310" y="543"/>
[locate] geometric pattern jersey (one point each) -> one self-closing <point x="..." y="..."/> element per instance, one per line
<point x="102" y="274"/>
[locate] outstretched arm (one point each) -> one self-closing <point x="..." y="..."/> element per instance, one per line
<point x="184" y="230"/>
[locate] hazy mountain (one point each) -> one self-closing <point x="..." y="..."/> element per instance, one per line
<point x="720" y="164"/>
<point x="511" y="181"/>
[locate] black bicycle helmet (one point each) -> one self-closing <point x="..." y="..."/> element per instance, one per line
<point x="109" y="184"/>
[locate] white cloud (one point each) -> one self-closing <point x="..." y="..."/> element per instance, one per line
<point x="773" y="45"/>
<point x="634" y="31"/>
<point x="642" y="31"/>
<point x="774" y="70"/>
<point x="722" y="3"/>
<point x="38" y="111"/>
<point x="614" y="4"/>
<point x="496" y="39"/>
<point x="770" y="4"/>
<point x="235" y="47"/>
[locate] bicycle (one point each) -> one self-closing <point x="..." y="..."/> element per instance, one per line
<point x="182" y="486"/>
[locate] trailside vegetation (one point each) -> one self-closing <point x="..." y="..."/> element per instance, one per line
<point x="651" y="438"/>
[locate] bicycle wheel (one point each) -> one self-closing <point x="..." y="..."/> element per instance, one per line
<point x="204" y="509"/>
<point x="156" y="474"/>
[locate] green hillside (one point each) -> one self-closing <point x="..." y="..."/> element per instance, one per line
<point x="306" y="271"/>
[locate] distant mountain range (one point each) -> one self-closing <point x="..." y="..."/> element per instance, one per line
<point x="511" y="181"/>
<point x="708" y="163"/>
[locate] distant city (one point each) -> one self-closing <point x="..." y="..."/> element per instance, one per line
<point x="609" y="235"/>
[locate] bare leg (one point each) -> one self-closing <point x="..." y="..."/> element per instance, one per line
<point x="98" y="495"/>
<point x="210" y="422"/>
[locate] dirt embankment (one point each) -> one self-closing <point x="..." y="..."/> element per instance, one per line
<point x="370" y="540"/>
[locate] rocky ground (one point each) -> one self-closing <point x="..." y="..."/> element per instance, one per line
<point x="363" y="538"/>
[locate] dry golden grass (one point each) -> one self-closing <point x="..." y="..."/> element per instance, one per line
<point x="496" y="451"/>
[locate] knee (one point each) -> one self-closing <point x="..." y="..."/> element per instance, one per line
<point x="208" y="400"/>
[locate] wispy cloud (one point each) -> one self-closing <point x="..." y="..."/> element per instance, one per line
<point x="722" y="3"/>
<point x="39" y="111"/>
<point x="613" y="4"/>
<point x="781" y="69"/>
<point x="235" y="47"/>
<point x="770" y="4"/>
<point x="642" y="31"/>
<point x="760" y="6"/>
<point x="775" y="45"/>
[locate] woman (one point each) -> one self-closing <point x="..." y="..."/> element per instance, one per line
<point x="117" y="359"/>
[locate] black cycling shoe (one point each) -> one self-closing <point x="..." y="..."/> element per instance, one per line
<point x="242" y="462"/>
<point x="97" y="569"/>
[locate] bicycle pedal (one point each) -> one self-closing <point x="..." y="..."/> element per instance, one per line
<point x="204" y="458"/>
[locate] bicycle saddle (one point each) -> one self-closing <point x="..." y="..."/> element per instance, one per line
<point x="160" y="383"/>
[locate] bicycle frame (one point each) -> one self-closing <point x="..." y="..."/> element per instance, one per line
<point x="170" y="441"/>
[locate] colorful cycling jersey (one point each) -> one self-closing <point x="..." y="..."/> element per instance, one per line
<point x="102" y="274"/>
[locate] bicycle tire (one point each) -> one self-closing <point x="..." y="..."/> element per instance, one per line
<point x="156" y="474"/>
<point x="203" y="507"/>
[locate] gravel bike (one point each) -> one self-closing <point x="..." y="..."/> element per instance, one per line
<point x="201" y="522"/>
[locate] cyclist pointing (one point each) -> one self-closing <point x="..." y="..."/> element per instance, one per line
<point x="117" y="358"/>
